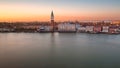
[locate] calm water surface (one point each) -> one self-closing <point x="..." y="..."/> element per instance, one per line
<point x="35" y="50"/>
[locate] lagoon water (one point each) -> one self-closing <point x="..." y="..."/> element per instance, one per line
<point x="59" y="50"/>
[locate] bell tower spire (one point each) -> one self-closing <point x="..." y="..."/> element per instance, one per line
<point x="52" y="15"/>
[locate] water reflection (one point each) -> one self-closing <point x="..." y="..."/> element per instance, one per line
<point x="53" y="50"/>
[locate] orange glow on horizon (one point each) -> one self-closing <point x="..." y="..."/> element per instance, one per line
<point x="57" y="18"/>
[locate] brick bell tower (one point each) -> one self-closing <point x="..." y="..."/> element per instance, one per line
<point x="52" y="22"/>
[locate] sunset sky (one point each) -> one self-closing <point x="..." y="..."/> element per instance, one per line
<point x="64" y="10"/>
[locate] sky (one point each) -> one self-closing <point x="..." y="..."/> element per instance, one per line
<point x="64" y="10"/>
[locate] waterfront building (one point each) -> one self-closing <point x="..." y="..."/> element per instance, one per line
<point x="105" y="29"/>
<point x="81" y="29"/>
<point x="113" y="30"/>
<point x="67" y="27"/>
<point x="77" y="26"/>
<point x="44" y="28"/>
<point x="97" y="29"/>
<point x="6" y="30"/>
<point x="89" y="28"/>
<point x="119" y="29"/>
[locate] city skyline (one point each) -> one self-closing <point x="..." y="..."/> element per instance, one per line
<point x="64" y="10"/>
